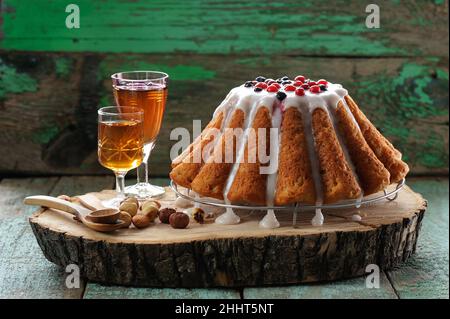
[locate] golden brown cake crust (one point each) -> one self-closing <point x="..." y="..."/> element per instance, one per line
<point x="294" y="182"/>
<point x="177" y="160"/>
<point x="372" y="174"/>
<point x="184" y="173"/>
<point x="212" y="177"/>
<point x="383" y="149"/>
<point x="338" y="181"/>
<point x="249" y="186"/>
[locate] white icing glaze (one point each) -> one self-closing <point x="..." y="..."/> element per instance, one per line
<point x="228" y="218"/>
<point x="249" y="102"/>
<point x="318" y="218"/>
<point x="269" y="220"/>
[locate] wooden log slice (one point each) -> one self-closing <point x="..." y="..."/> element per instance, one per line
<point x="237" y="255"/>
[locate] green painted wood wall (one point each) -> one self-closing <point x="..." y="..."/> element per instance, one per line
<point x="52" y="79"/>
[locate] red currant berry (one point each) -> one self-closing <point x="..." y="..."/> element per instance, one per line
<point x="300" y="78"/>
<point x="305" y="86"/>
<point x="298" y="83"/>
<point x="300" y="92"/>
<point x="322" y="81"/>
<point x="315" y="89"/>
<point x="277" y="85"/>
<point x="270" y="82"/>
<point x="289" y="88"/>
<point x="272" y="88"/>
<point x="261" y="85"/>
<point x="311" y="83"/>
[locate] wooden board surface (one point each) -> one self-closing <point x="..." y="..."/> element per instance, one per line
<point x="218" y="27"/>
<point x="399" y="72"/>
<point x="385" y="213"/>
<point x="425" y="279"/>
<point x="24" y="272"/>
<point x="426" y="275"/>
<point x="407" y="99"/>
<point x="355" y="288"/>
<point x="218" y="255"/>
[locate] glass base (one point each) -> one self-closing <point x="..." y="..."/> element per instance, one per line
<point x="113" y="202"/>
<point x="144" y="191"/>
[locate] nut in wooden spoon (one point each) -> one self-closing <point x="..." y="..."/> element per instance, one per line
<point x="78" y="211"/>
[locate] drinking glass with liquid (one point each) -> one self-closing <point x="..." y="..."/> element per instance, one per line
<point x="148" y="91"/>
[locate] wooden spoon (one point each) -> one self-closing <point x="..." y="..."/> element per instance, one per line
<point x="104" y="216"/>
<point x="91" y="201"/>
<point x="76" y="210"/>
<point x="101" y="213"/>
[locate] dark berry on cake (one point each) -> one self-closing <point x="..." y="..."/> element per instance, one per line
<point x="281" y="96"/>
<point x="260" y="79"/>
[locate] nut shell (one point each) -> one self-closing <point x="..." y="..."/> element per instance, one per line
<point x="179" y="220"/>
<point x="199" y="215"/>
<point x="126" y="218"/>
<point x="152" y="203"/>
<point x="150" y="211"/>
<point x="141" y="221"/>
<point x="131" y="200"/>
<point x="164" y="214"/>
<point x="129" y="207"/>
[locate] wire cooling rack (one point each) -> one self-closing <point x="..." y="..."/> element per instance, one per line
<point x="389" y="195"/>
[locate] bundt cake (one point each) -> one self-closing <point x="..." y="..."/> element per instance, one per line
<point x="279" y="142"/>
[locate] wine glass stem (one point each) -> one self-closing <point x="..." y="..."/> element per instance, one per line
<point x="147" y="150"/>
<point x="120" y="183"/>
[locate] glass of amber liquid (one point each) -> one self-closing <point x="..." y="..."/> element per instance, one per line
<point x="120" y="143"/>
<point x="146" y="90"/>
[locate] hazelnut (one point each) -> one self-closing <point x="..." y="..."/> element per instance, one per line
<point x="141" y="221"/>
<point x="151" y="202"/>
<point x="199" y="215"/>
<point x="150" y="211"/>
<point x="131" y="200"/>
<point x="129" y="207"/>
<point x="164" y="214"/>
<point x="126" y="218"/>
<point x="179" y="220"/>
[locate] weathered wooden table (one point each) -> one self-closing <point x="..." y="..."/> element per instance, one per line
<point x="25" y="273"/>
